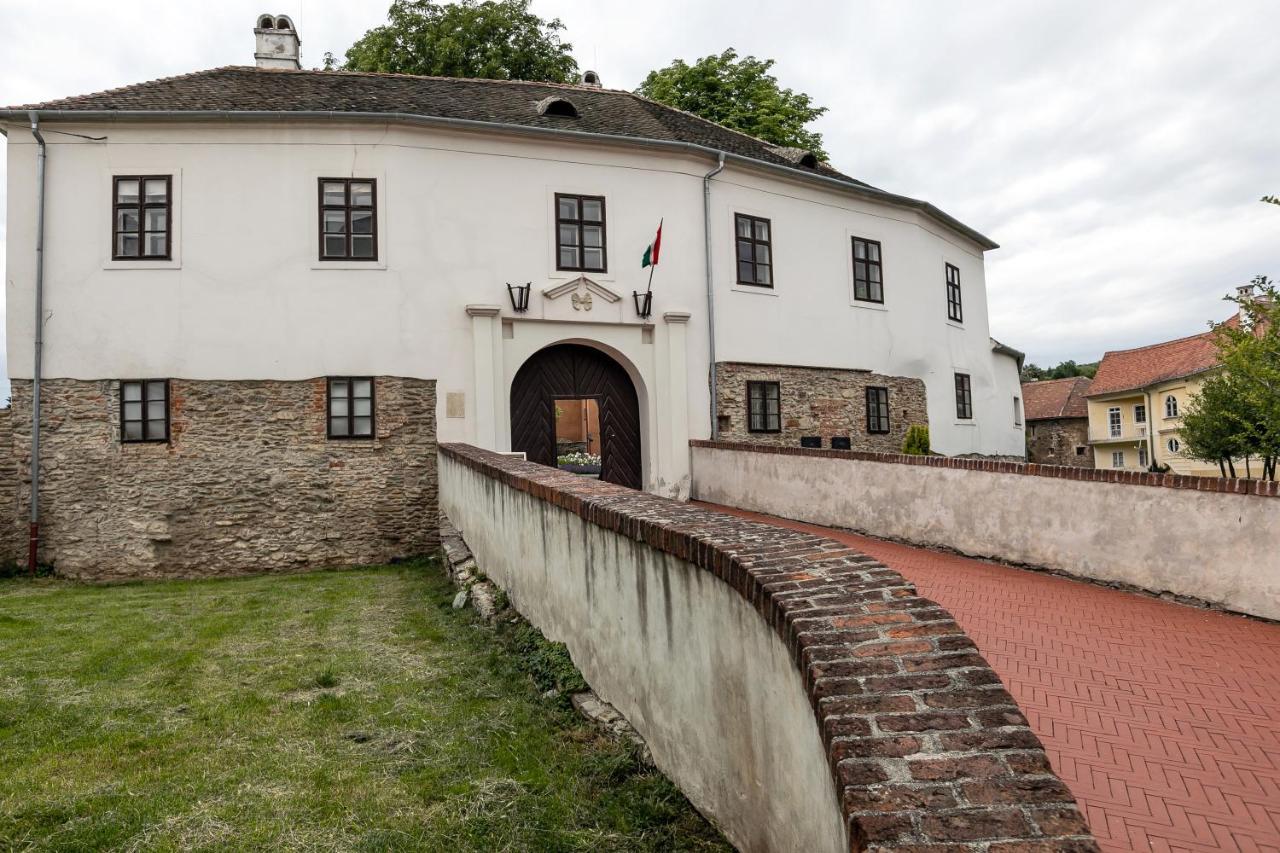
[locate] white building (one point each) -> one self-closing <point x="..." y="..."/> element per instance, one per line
<point x="247" y="233"/>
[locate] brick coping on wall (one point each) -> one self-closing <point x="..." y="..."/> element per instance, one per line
<point x="927" y="749"/>
<point x="1227" y="485"/>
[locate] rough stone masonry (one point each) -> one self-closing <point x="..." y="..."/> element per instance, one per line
<point x="248" y="481"/>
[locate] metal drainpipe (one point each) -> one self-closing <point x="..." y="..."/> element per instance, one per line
<point x="711" y="300"/>
<point x="34" y="531"/>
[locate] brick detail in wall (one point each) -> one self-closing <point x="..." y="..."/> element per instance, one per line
<point x="248" y="482"/>
<point x="1054" y="442"/>
<point x="1224" y="485"/>
<point x="925" y="745"/>
<point x="819" y="401"/>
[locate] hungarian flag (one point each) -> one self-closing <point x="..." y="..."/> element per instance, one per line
<point x="651" y="254"/>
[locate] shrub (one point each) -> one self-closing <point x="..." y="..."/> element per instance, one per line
<point x="917" y="441"/>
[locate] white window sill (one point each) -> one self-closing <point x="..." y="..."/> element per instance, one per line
<point x="173" y="264"/>
<point x="868" y="306"/>
<point x="758" y="291"/>
<point x="348" y="265"/>
<point x="968" y="423"/>
<point x="953" y="324"/>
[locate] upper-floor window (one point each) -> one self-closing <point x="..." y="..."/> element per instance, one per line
<point x="1140" y="414"/>
<point x="868" y="284"/>
<point x="580" y="239"/>
<point x="764" y="407"/>
<point x="348" y="219"/>
<point x="1171" y="406"/>
<point x="954" y="309"/>
<point x="144" y="410"/>
<point x="142" y="226"/>
<point x="877" y="410"/>
<point x="755" y="250"/>
<point x="1113" y="421"/>
<point x="964" y="397"/>
<point x="1017" y="411"/>
<point x="350" y="407"/>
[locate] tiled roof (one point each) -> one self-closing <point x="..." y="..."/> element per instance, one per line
<point x="604" y="112"/>
<point x="1056" y="398"/>
<point x="1130" y="369"/>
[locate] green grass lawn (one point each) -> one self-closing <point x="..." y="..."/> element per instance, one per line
<point x="348" y="710"/>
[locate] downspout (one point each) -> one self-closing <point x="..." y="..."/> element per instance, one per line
<point x="1151" y="431"/>
<point x="711" y="299"/>
<point x="34" y="531"/>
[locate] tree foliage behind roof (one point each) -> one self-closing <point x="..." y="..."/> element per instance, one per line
<point x="493" y="39"/>
<point x="1064" y="370"/>
<point x="741" y="94"/>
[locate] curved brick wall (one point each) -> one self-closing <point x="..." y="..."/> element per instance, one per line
<point x="925" y="748"/>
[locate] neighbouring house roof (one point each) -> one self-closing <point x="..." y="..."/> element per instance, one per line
<point x="1051" y="399"/>
<point x="247" y="91"/>
<point x="1131" y="369"/>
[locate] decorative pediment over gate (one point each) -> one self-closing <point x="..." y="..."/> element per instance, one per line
<point x="581" y="290"/>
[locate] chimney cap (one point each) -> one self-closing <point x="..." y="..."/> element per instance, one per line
<point x="592" y="79"/>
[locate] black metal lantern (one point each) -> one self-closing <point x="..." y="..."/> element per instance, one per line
<point x="519" y="294"/>
<point x="644" y="303"/>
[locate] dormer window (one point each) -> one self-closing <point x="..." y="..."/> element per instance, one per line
<point x="809" y="160"/>
<point x="555" y="106"/>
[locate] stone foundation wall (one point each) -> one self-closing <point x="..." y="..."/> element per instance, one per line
<point x="819" y="401"/>
<point x="1054" y="442"/>
<point x="248" y="481"/>
<point x="10" y="520"/>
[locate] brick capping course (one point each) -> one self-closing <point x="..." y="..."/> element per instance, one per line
<point x="1237" y="486"/>
<point x="927" y="749"/>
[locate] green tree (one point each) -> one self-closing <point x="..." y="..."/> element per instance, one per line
<point x="493" y="39"/>
<point x="1064" y="370"/>
<point x="1218" y="425"/>
<point x="738" y="93"/>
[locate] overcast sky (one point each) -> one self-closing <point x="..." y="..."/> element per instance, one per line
<point x="1115" y="150"/>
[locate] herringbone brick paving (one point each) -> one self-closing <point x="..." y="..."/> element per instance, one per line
<point x="1163" y="719"/>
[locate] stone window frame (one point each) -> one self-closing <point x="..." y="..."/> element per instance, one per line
<point x="955" y="307"/>
<point x="878" y="412"/>
<point x="754" y="244"/>
<point x="145" y="398"/>
<point x="877" y="265"/>
<point x="765" y="388"/>
<point x="347" y="208"/>
<point x="964" y="396"/>
<point x="141" y="206"/>
<point x="579" y="223"/>
<point x="350" y="415"/>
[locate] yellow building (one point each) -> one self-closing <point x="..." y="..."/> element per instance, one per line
<point x="1137" y="400"/>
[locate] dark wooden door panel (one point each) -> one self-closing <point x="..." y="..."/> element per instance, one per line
<point x="575" y="371"/>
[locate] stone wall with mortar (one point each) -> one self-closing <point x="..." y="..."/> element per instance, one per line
<point x="248" y="481"/>
<point x="819" y="401"/>
<point x="1054" y="442"/>
<point x="802" y="695"/>
<point x="11" y="522"/>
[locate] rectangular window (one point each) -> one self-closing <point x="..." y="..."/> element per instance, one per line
<point x="141" y="223"/>
<point x="1142" y="456"/>
<point x="580" y="242"/>
<point x="755" y="250"/>
<point x="348" y="219"/>
<point x="868" y="283"/>
<point x="351" y="407"/>
<point x="954" y="310"/>
<point x="964" y="397"/>
<point x="764" y="407"/>
<point x="144" y="410"/>
<point x="1140" y="414"/>
<point x="1017" y="411"/>
<point x="1113" y="421"/>
<point x="1117" y="459"/>
<point x="877" y="410"/>
<point x="841" y="442"/>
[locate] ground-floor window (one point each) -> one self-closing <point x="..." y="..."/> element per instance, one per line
<point x="144" y="410"/>
<point x="1117" y="459"/>
<point x="764" y="407"/>
<point x="351" y="407"/>
<point x="877" y="410"/>
<point x="1142" y="456"/>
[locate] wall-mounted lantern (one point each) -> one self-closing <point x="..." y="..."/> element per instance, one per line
<point x="644" y="303"/>
<point x="519" y="294"/>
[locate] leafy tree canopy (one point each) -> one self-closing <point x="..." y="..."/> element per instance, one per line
<point x="738" y="93"/>
<point x="1065" y="370"/>
<point x="493" y="39"/>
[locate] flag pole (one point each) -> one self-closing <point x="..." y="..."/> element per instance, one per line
<point x="649" y="287"/>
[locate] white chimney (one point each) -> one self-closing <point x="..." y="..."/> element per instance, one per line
<point x="1246" y="293"/>
<point x="277" y="42"/>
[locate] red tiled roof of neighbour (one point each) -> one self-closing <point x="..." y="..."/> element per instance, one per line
<point x="1056" y="398"/>
<point x="1130" y="369"/>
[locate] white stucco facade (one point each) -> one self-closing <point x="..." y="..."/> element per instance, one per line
<point x="461" y="214"/>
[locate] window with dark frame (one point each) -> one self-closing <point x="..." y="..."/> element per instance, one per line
<point x="144" y="410"/>
<point x="964" y="397"/>
<point x="755" y="250"/>
<point x="764" y="407"/>
<point x="868" y="280"/>
<point x="350" y="407"/>
<point x="141" y="224"/>
<point x="580" y="233"/>
<point x="954" y="310"/>
<point x="877" y="410"/>
<point x="348" y="219"/>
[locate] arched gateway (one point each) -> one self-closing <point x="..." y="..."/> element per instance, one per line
<point x="572" y="372"/>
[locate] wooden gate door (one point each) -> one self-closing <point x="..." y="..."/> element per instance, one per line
<point x="575" y="371"/>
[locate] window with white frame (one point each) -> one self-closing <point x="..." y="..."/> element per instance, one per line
<point x="1113" y="421"/>
<point x="1174" y="445"/>
<point x="1140" y="414"/>
<point x="1143" y="458"/>
<point x="1171" y="406"/>
<point x="1117" y="459"/>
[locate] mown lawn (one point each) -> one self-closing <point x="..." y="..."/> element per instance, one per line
<point x="351" y="710"/>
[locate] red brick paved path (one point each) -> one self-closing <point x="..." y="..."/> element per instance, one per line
<point x="1163" y="719"/>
